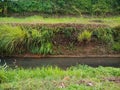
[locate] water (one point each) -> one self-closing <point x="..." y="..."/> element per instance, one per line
<point x="60" y="62"/>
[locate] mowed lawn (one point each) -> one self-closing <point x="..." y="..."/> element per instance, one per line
<point x="53" y="78"/>
<point x="111" y="21"/>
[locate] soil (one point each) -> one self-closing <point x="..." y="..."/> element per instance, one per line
<point x="86" y="82"/>
<point x="113" y="79"/>
<point x="71" y="46"/>
<point x="66" y="47"/>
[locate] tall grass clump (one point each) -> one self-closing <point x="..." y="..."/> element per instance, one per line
<point x="104" y="35"/>
<point x="116" y="33"/>
<point x="12" y="39"/>
<point x="40" y="42"/>
<point x="116" y="47"/>
<point x="85" y="36"/>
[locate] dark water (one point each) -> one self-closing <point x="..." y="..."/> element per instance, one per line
<point x="60" y="62"/>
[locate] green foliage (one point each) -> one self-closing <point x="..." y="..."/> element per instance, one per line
<point x="68" y="31"/>
<point x="104" y="35"/>
<point x="46" y="48"/>
<point x="12" y="39"/>
<point x="116" y="46"/>
<point x="18" y="40"/>
<point x="100" y="8"/>
<point x="52" y="78"/>
<point x="3" y="78"/>
<point x="44" y="42"/>
<point x="40" y="41"/>
<point x="65" y="6"/>
<point x="84" y="36"/>
<point x="33" y="38"/>
<point x="116" y="33"/>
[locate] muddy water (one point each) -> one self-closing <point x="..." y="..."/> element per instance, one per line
<point x="60" y="62"/>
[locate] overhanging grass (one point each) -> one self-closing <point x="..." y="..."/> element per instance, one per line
<point x="111" y="21"/>
<point x="49" y="78"/>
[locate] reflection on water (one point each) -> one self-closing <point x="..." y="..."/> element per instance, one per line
<point x="4" y="63"/>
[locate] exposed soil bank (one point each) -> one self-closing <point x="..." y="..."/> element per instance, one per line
<point x="61" y="56"/>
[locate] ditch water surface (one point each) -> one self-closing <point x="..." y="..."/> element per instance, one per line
<point x="62" y="62"/>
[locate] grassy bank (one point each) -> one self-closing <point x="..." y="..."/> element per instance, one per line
<point x="64" y="40"/>
<point x="111" y="21"/>
<point x="49" y="78"/>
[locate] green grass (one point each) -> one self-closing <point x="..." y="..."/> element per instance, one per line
<point x="20" y="40"/>
<point x="112" y="21"/>
<point x="49" y="78"/>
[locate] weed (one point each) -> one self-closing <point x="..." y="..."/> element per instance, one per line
<point x="40" y="41"/>
<point x="33" y="38"/>
<point x="116" y="46"/>
<point x="85" y="36"/>
<point x="18" y="40"/>
<point x="104" y="35"/>
<point x="11" y="39"/>
<point x="49" y="78"/>
<point x="116" y="33"/>
<point x="68" y="31"/>
<point x="46" y="48"/>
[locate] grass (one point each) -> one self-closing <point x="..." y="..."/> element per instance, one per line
<point x="49" y="78"/>
<point x="20" y="40"/>
<point x="11" y="38"/>
<point x="111" y="21"/>
<point x="25" y="40"/>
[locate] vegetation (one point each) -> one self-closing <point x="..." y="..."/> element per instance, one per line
<point x="116" y="46"/>
<point x="105" y="35"/>
<point x="93" y="7"/>
<point x="44" y="78"/>
<point x="116" y="33"/>
<point x="63" y="35"/>
<point x="11" y="39"/>
<point x="16" y="39"/>
<point x="43" y="40"/>
<point x="110" y="21"/>
<point x="40" y="42"/>
<point x="85" y="36"/>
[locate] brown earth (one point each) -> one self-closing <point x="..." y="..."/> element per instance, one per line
<point x="113" y="79"/>
<point x="90" y="49"/>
